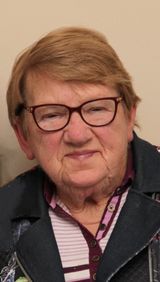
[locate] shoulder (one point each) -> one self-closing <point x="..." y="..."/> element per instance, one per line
<point x="23" y="179"/>
<point x="146" y="159"/>
<point x="11" y="193"/>
<point x="145" y="149"/>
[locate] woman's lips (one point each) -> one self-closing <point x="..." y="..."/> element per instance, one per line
<point x="81" y="155"/>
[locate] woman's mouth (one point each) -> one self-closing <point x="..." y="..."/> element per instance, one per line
<point x="81" y="155"/>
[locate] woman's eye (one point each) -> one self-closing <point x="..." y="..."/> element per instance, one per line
<point x="97" y="109"/>
<point x="51" y="116"/>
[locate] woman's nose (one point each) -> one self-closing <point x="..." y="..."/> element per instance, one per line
<point x="77" y="131"/>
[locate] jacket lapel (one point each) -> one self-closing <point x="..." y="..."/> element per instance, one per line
<point x="138" y="222"/>
<point x="6" y="248"/>
<point x="38" y="253"/>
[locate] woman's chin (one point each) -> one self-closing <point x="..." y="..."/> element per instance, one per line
<point x="82" y="179"/>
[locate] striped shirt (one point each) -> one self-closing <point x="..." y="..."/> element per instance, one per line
<point x="79" y="250"/>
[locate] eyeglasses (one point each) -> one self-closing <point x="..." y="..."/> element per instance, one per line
<point x="54" y="117"/>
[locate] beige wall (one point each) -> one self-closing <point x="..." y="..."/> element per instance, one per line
<point x="132" y="27"/>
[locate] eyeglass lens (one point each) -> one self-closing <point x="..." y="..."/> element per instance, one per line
<point x="96" y="113"/>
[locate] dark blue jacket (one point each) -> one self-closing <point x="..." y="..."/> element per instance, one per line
<point x="26" y="231"/>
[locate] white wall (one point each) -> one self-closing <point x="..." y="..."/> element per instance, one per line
<point x="132" y="28"/>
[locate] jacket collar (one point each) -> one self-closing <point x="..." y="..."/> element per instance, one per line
<point x="146" y="161"/>
<point x="31" y="203"/>
<point x="37" y="251"/>
<point x="138" y="223"/>
<point x="24" y="198"/>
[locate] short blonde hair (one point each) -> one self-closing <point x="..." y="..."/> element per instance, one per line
<point x="70" y="54"/>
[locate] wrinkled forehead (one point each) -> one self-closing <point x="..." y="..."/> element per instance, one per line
<point x="41" y="88"/>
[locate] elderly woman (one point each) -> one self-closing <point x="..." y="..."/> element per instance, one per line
<point x="89" y="210"/>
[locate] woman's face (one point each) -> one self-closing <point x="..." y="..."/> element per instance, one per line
<point x="78" y="156"/>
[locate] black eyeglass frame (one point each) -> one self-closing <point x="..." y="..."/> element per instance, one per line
<point x="32" y="109"/>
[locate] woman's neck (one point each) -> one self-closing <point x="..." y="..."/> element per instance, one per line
<point x="78" y="200"/>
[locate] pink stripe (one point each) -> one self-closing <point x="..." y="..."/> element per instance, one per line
<point x="73" y="244"/>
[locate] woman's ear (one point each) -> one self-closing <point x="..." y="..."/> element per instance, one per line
<point x="23" y="140"/>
